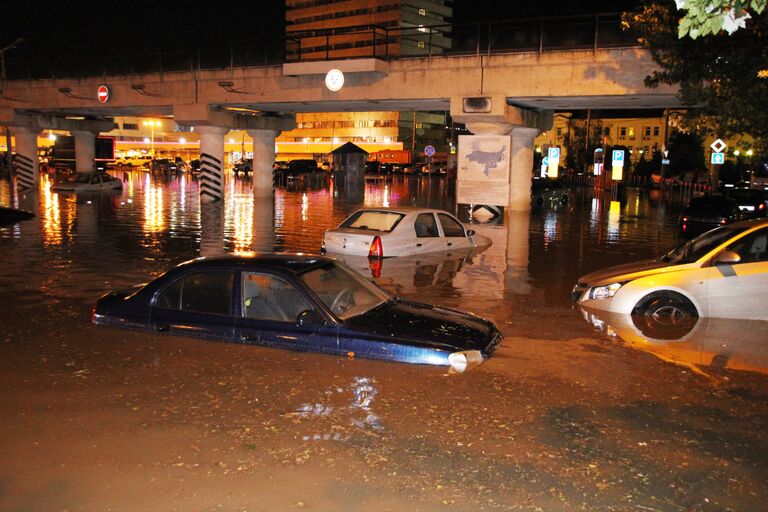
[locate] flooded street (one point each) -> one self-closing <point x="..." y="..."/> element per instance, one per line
<point x="573" y="412"/>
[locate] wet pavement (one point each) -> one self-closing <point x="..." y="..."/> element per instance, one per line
<point x="573" y="412"/>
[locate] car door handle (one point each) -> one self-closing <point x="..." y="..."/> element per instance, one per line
<point x="418" y="245"/>
<point x="450" y="244"/>
<point x="162" y="327"/>
<point x="250" y="336"/>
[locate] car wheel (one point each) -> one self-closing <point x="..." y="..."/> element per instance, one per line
<point x="666" y="308"/>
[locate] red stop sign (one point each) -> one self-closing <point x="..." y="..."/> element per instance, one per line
<point x="103" y="93"/>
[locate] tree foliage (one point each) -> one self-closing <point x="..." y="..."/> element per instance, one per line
<point x="704" y="17"/>
<point x="718" y="74"/>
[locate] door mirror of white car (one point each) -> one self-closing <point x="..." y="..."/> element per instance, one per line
<point x="727" y="258"/>
<point x="470" y="232"/>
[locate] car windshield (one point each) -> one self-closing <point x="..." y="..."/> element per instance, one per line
<point x="701" y="245"/>
<point x="344" y="291"/>
<point x="374" y="220"/>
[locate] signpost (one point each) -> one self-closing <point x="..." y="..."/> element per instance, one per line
<point x="102" y="93"/>
<point x="429" y="150"/>
<point x="618" y="165"/>
<point x="717" y="159"/>
<point x="553" y="161"/>
<point x="599" y="160"/>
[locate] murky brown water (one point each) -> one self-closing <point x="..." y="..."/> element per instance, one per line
<point x="565" y="416"/>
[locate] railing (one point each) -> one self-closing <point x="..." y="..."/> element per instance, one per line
<point x="521" y="35"/>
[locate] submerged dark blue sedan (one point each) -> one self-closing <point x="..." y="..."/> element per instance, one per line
<point x="300" y="302"/>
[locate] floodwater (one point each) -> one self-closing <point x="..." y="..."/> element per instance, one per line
<point x="573" y="412"/>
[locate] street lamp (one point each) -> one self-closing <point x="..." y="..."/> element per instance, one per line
<point x="152" y="125"/>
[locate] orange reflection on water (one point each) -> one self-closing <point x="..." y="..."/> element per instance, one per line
<point x="154" y="221"/>
<point x="239" y="221"/>
<point x="54" y="230"/>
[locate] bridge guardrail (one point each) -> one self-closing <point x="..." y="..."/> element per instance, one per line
<point x="500" y="36"/>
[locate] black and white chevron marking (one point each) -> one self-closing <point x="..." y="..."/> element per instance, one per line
<point x="25" y="172"/>
<point x="210" y="178"/>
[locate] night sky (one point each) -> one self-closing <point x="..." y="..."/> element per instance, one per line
<point x="59" y="33"/>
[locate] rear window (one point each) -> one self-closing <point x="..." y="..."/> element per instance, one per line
<point x="376" y="221"/>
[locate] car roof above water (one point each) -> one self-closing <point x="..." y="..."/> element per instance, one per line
<point x="292" y="262"/>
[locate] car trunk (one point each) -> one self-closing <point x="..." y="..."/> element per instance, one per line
<point x="350" y="241"/>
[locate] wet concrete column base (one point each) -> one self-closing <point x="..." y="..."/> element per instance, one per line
<point x="211" y="162"/>
<point x="27" y="165"/>
<point x="85" y="151"/>
<point x="263" y="159"/>
<point x="521" y="167"/>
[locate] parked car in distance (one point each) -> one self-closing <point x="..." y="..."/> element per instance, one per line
<point x="164" y="165"/>
<point x="299" y="302"/>
<point x="548" y="191"/>
<point x="301" y="166"/>
<point x="385" y="232"/>
<point x="13" y="215"/>
<point x="372" y="167"/>
<point x="752" y="203"/>
<point x="144" y="161"/>
<point x="707" y="212"/>
<point x="722" y="273"/>
<point x="244" y="166"/>
<point x="82" y="182"/>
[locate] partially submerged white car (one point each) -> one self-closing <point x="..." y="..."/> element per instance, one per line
<point x="722" y="274"/>
<point x="385" y="232"/>
<point x="82" y="182"/>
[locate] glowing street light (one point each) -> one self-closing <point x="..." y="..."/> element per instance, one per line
<point x="152" y="125"/>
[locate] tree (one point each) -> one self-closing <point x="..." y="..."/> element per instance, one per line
<point x="704" y="17"/>
<point x="686" y="153"/>
<point x="718" y="74"/>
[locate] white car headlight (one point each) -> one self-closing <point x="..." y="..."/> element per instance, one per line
<point x="605" y="292"/>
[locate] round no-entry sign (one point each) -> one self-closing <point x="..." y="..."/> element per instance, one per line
<point x="103" y="93"/>
<point x="429" y="150"/>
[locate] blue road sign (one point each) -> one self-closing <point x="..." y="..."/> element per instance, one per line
<point x="718" y="158"/>
<point x="618" y="157"/>
<point x="429" y="150"/>
<point x="554" y="153"/>
<point x="545" y="160"/>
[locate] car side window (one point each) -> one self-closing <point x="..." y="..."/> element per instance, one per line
<point x="202" y="292"/>
<point x="752" y="248"/>
<point x="451" y="227"/>
<point x="268" y="297"/>
<point x="426" y="226"/>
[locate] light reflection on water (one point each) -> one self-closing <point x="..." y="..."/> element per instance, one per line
<point x="81" y="246"/>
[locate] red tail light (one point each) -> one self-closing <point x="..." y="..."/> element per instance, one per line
<point x="761" y="207"/>
<point x="723" y="221"/>
<point x="375" y="264"/>
<point x="377" y="249"/>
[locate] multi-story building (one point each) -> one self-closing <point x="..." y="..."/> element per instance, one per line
<point x="336" y="29"/>
<point x="641" y="135"/>
<point x="341" y="29"/>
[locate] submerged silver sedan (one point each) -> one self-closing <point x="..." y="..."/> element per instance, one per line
<point x="385" y="232"/>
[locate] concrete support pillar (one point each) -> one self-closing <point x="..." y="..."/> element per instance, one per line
<point x="85" y="151"/>
<point x="263" y="223"/>
<point x="521" y="167"/>
<point x="27" y="165"/>
<point x="211" y="228"/>
<point x="263" y="159"/>
<point x="211" y="162"/>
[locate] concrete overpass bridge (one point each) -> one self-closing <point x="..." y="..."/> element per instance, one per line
<point x="511" y="94"/>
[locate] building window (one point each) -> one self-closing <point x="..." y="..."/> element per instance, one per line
<point x="130" y="126"/>
<point x="631" y="133"/>
<point x="623" y="132"/>
<point x="656" y="131"/>
<point x="559" y="132"/>
<point x="647" y="131"/>
<point x="607" y="131"/>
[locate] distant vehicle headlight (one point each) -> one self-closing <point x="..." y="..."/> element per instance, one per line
<point x="605" y="292"/>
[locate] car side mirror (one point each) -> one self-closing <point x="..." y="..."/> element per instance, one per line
<point x="470" y="232"/>
<point x="310" y="318"/>
<point x="727" y="258"/>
